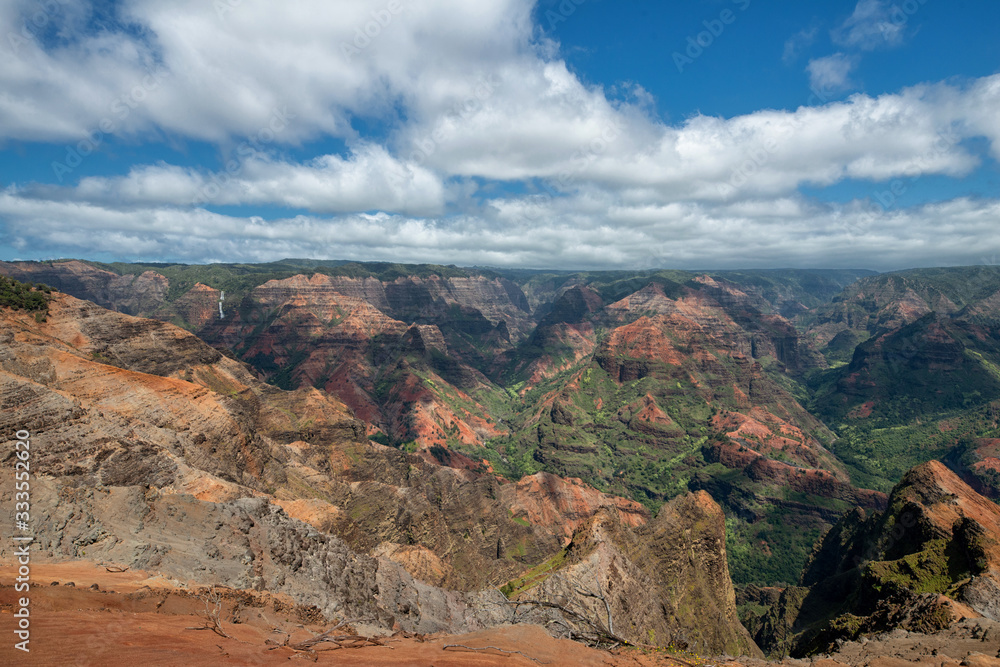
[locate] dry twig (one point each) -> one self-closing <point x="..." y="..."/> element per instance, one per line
<point x="598" y="635"/>
<point x="340" y="641"/>
<point x="213" y="614"/>
<point x="600" y="596"/>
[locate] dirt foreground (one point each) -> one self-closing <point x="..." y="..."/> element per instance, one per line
<point x="138" y="618"/>
<point x="83" y="613"/>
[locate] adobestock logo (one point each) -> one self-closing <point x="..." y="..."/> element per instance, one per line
<point x="698" y="43"/>
<point x="121" y="108"/>
<point x="562" y="13"/>
<point x="900" y="15"/>
<point x="365" y="34"/>
<point x="38" y="21"/>
<point x="581" y="159"/>
<point x="249" y="149"/>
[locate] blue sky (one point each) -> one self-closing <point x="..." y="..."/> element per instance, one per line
<point x="548" y="134"/>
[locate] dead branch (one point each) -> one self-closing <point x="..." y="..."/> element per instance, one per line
<point x="213" y="614"/>
<point x="682" y="661"/>
<point x="116" y="569"/>
<point x="598" y="634"/>
<point x="307" y="644"/>
<point x="340" y="641"/>
<point x="600" y="596"/>
<point x="495" y="648"/>
<point x="409" y="635"/>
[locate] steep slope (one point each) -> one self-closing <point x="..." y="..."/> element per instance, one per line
<point x="154" y="450"/>
<point x="402" y="378"/>
<point x="125" y="401"/>
<point x="643" y="384"/>
<point x="924" y="378"/>
<point x="608" y="567"/>
<point x="133" y="293"/>
<point x="931" y="559"/>
<point x="154" y="471"/>
<point x="664" y="371"/>
<point x="405" y="348"/>
<point x="878" y="304"/>
<point x="664" y="390"/>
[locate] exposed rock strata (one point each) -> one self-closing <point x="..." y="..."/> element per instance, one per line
<point x="931" y="559"/>
<point x="152" y="449"/>
<point x="610" y="568"/>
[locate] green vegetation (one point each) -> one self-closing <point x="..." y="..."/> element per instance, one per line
<point x="381" y="438"/>
<point x="933" y="570"/>
<point x="912" y="394"/>
<point x="520" y="520"/>
<point x="772" y="550"/>
<point x="24" y="296"/>
<point x="912" y="371"/>
<point x="533" y="577"/>
<point x="596" y="444"/>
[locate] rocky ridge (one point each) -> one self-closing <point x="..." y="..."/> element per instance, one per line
<point x="638" y="386"/>
<point x="926" y="564"/>
<point x="154" y="450"/>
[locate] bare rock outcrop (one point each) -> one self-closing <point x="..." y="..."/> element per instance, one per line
<point x="664" y="582"/>
<point x="133" y="294"/>
<point x="152" y="449"/>
<point x="927" y="562"/>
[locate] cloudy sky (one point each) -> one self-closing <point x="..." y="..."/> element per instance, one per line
<point x="546" y="134"/>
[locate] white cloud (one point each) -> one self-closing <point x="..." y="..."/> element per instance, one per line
<point x="980" y="114"/>
<point x="873" y="24"/>
<point x="591" y="230"/>
<point x="798" y="43"/>
<point x="369" y="179"/>
<point x="596" y="146"/>
<point x="475" y="100"/>
<point x="471" y="105"/>
<point x="230" y="69"/>
<point x="759" y="153"/>
<point x="831" y="74"/>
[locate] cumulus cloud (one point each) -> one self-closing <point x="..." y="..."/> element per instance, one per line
<point x="369" y="179"/>
<point x="620" y="191"/>
<point x="494" y="151"/>
<point x="230" y="64"/>
<point x="761" y="152"/>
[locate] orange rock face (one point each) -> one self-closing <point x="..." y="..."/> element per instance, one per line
<point x="547" y="500"/>
<point x="948" y="499"/>
<point x="646" y="338"/>
<point x="335" y="333"/>
<point x="200" y="306"/>
<point x="765" y="433"/>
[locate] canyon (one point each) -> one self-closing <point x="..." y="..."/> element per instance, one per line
<point x="445" y="450"/>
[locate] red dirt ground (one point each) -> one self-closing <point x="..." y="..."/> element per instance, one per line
<point x="136" y="619"/>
